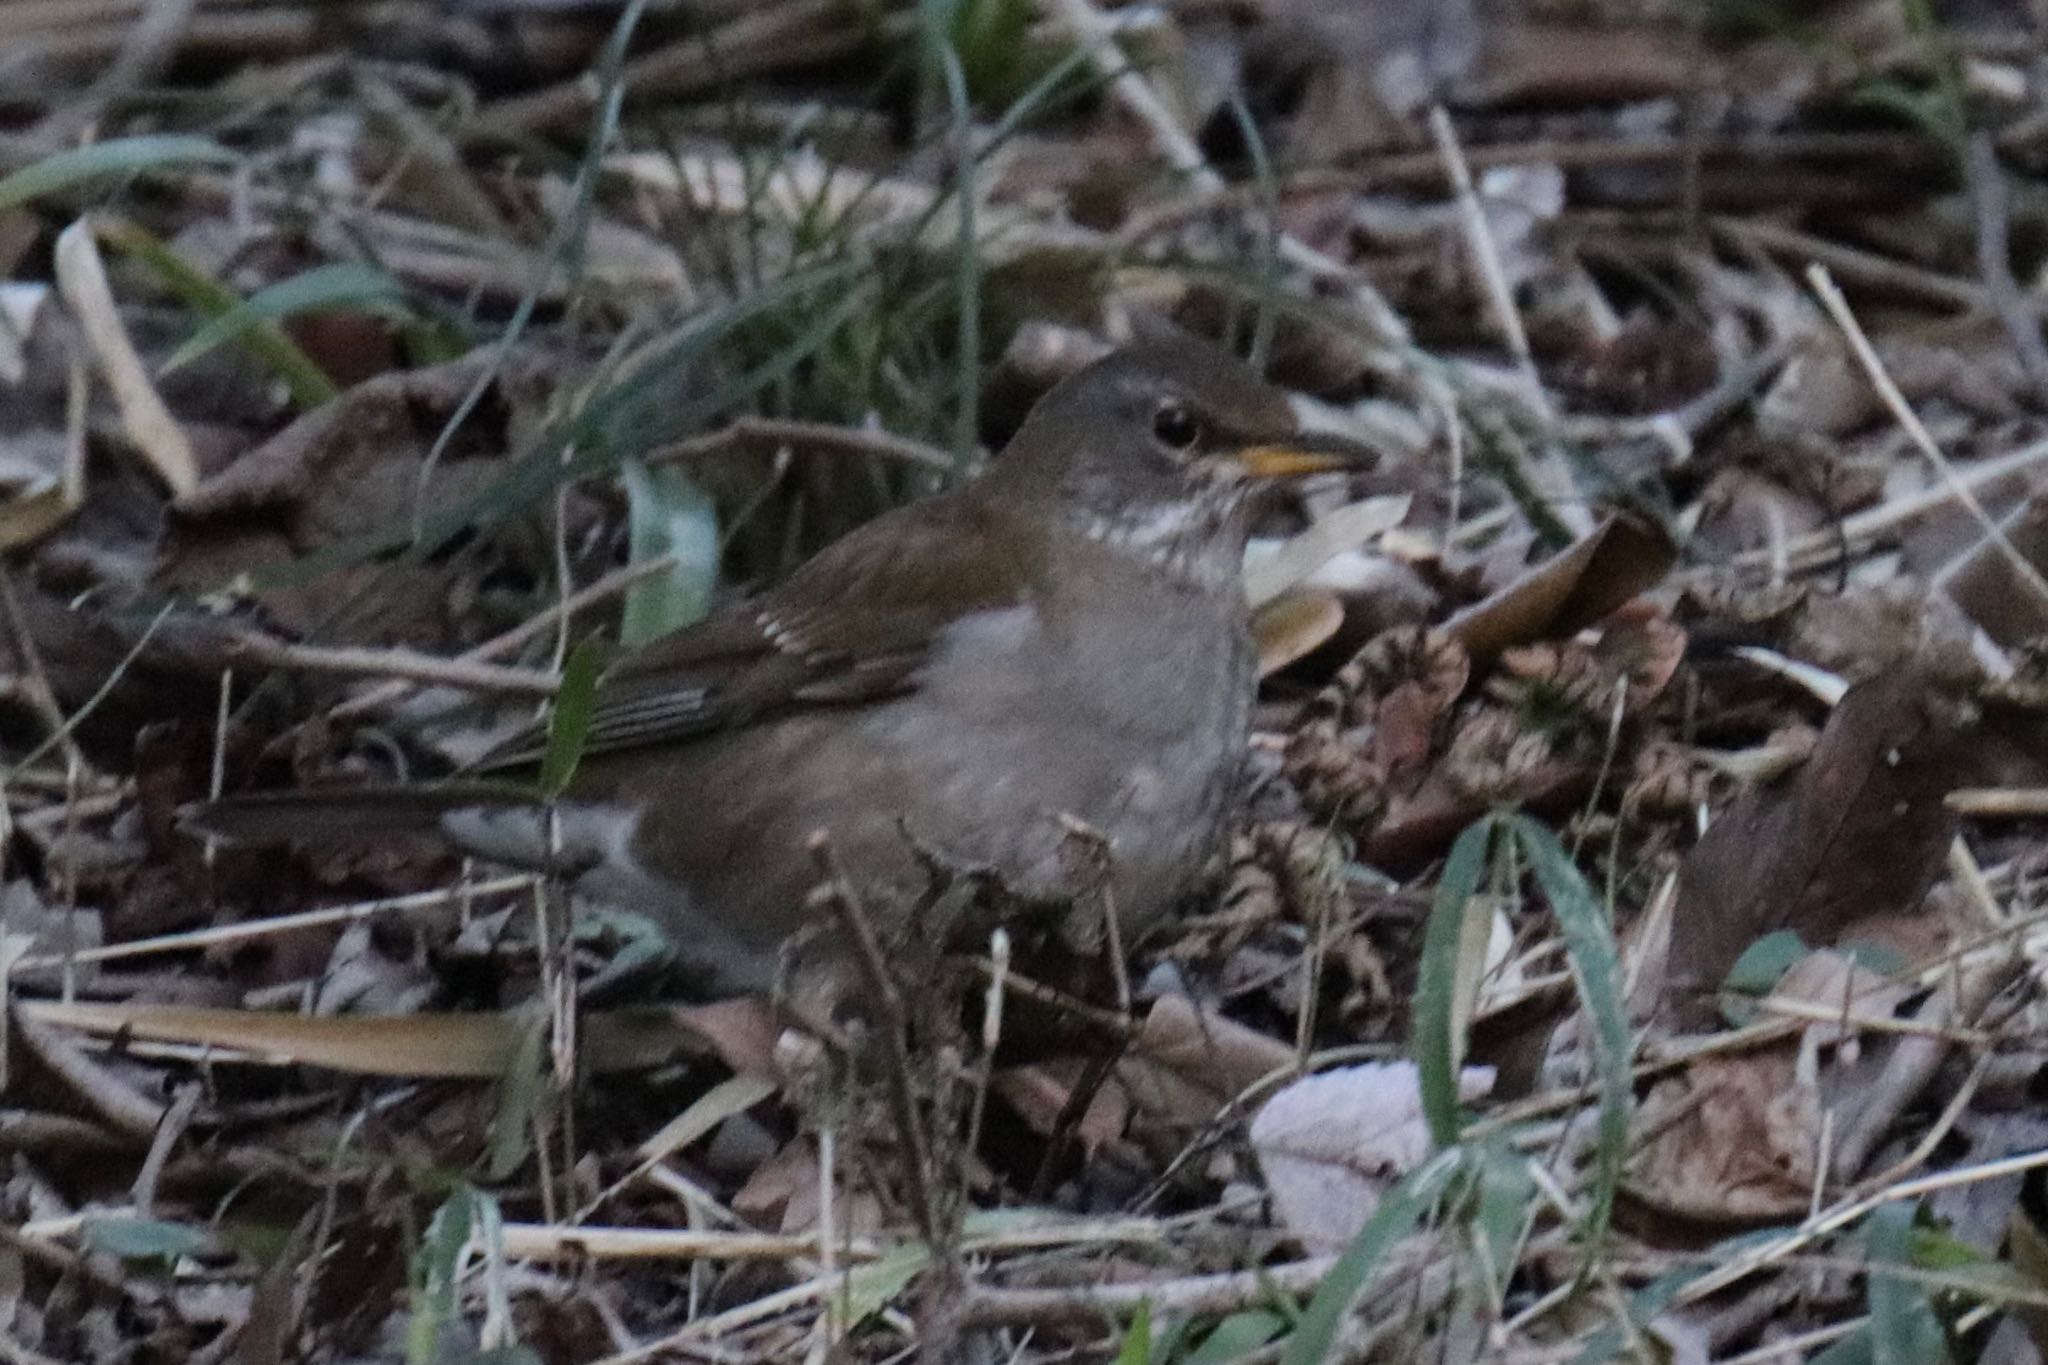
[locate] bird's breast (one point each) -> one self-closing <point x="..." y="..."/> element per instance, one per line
<point x="1132" y="721"/>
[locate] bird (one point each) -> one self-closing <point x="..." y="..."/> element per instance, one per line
<point x="1060" y="644"/>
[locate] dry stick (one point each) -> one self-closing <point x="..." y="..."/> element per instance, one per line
<point x="1426" y="170"/>
<point x="1914" y="1060"/>
<point x="1197" y="1295"/>
<point x="768" y="435"/>
<point x="611" y="585"/>
<point x="177" y="1118"/>
<point x="1845" y="1213"/>
<point x="411" y="665"/>
<point x="1902" y="411"/>
<point x="1868" y="267"/>
<point x="236" y="933"/>
<point x="42" y="696"/>
<point x="755" y="43"/>
<point x="1821" y="547"/>
<point x="1096" y="35"/>
<point x="1989" y="202"/>
<point x="552" y="1242"/>
<point x="114" y="1101"/>
<point x="1997" y="802"/>
<point x="1486" y="255"/>
<point x="853" y="921"/>
<point x="100" y="694"/>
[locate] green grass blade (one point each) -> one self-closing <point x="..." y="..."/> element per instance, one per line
<point x="308" y="384"/>
<point x="1446" y="954"/>
<point x="1589" y="947"/>
<point x="1394" y="1219"/>
<point x="1137" y="1343"/>
<point x="569" y="721"/>
<point x="118" y="156"/>
<point x="966" y="272"/>
<point x="344" y="285"/>
<point x="1236" y="1337"/>
<point x="1903" y="1327"/>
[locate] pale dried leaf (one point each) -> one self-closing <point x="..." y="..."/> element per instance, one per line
<point x="82" y="279"/>
<point x="1332" y="1143"/>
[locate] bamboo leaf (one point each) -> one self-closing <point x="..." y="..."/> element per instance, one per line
<point x="671" y="516"/>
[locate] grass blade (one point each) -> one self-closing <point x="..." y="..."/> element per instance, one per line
<point x="1589" y="947"/>
<point x="1903" y="1327"/>
<point x="1137" y="1343"/>
<point x="569" y="722"/>
<point x="119" y="156"/>
<point x="1446" y="956"/>
<point x="343" y="285"/>
<point x="309" y="385"/>
<point x="1395" y="1218"/>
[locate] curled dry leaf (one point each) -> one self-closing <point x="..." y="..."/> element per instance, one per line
<point x="1294" y="625"/>
<point x="1859" y="830"/>
<point x="1625" y="555"/>
<point x="1331" y="1144"/>
<point x="82" y="279"/>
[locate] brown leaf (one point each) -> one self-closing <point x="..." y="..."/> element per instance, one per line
<point x="1294" y="625"/>
<point x="1623" y="556"/>
<point x="1730" y="1140"/>
<point x="473" y="1045"/>
<point x="1186" y="1063"/>
<point x="1859" y="830"/>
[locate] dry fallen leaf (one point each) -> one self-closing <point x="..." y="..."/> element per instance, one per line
<point x="1729" y="1140"/>
<point x="1294" y="625"/>
<point x="473" y="1045"/>
<point x="349" y="470"/>
<point x="1330" y="1144"/>
<point x="1859" y="830"/>
<point x="82" y="279"/>
<point x="1624" y="555"/>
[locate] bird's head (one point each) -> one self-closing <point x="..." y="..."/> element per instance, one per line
<point x="1158" y="447"/>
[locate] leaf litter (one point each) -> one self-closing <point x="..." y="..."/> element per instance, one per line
<point x="1657" y="733"/>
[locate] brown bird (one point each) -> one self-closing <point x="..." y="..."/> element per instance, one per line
<point x="1064" y="639"/>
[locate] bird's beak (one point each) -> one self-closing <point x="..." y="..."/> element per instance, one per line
<point x="1306" y="452"/>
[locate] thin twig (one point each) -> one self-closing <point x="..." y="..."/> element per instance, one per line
<point x="1902" y="411"/>
<point x="1989" y="202"/>
<point x="893" y="1024"/>
<point x="355" y="661"/>
<point x="236" y="933"/>
<point x="498" y="646"/>
<point x="771" y="434"/>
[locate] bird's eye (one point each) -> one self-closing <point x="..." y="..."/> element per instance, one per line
<point x="1174" y="427"/>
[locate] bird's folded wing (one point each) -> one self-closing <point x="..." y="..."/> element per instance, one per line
<point x="852" y="625"/>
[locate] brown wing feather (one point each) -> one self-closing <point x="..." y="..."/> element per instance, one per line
<point x="853" y="624"/>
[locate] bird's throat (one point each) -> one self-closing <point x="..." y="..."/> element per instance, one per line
<point x="1196" y="542"/>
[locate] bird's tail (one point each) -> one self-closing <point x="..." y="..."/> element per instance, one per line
<point x="343" y="815"/>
